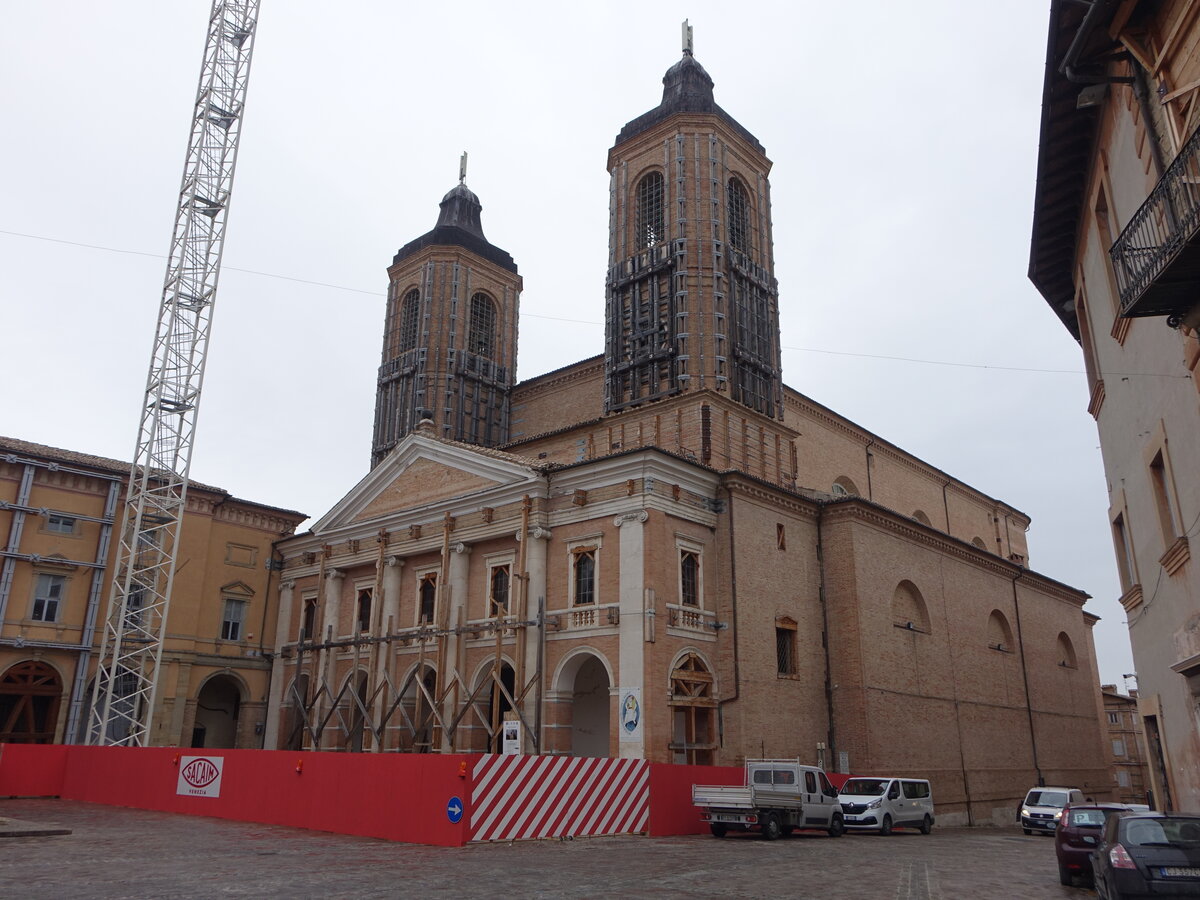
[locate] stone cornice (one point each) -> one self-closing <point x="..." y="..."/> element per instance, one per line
<point x="880" y="517"/>
<point x="809" y="407"/>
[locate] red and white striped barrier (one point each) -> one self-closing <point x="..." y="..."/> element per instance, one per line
<point x="528" y="797"/>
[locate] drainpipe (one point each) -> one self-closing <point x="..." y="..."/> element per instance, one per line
<point x="830" y="737"/>
<point x="737" y="677"/>
<point x="1025" y="677"/>
<point x="946" y="504"/>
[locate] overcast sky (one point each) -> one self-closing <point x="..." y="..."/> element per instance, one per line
<point x="904" y="140"/>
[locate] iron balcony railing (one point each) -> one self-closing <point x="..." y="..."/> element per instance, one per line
<point x="1156" y="265"/>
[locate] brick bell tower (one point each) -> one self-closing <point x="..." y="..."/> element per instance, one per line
<point x="450" y="332"/>
<point x="691" y="298"/>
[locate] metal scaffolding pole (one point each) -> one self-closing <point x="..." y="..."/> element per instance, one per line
<point x="135" y="625"/>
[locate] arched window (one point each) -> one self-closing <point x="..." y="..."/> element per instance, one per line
<point x="979" y="542"/>
<point x="908" y="608"/>
<point x="693" y="711"/>
<point x="844" y="487"/>
<point x="410" y="318"/>
<point x="481" y="340"/>
<point x="499" y="591"/>
<point x="739" y="216"/>
<point x="1065" y="651"/>
<point x="689" y="577"/>
<point x="921" y="516"/>
<point x="651" y="228"/>
<point x="999" y="634"/>
<point x="584" y="575"/>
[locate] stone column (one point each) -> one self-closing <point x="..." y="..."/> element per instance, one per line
<point x="283" y="625"/>
<point x="631" y="583"/>
<point x="535" y="566"/>
<point x="389" y="621"/>
<point x="327" y="662"/>
<point x="457" y="576"/>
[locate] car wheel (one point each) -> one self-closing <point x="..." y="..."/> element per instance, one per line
<point x="926" y="825"/>
<point x="885" y="827"/>
<point x="717" y="830"/>
<point x="771" y="829"/>
<point x="837" y="825"/>
<point x="1064" y="875"/>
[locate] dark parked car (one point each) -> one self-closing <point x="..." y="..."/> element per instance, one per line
<point x="1077" y="835"/>
<point x="1148" y="855"/>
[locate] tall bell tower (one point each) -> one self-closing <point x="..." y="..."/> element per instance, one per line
<point x="691" y="298"/>
<point x="450" y="332"/>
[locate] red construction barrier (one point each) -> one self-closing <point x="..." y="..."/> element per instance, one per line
<point x="671" y="810"/>
<point x="444" y="800"/>
<point x="32" y="770"/>
<point x="400" y="797"/>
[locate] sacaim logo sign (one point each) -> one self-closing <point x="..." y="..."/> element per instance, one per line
<point x="200" y="776"/>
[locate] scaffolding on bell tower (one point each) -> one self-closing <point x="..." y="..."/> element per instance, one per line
<point x="135" y="626"/>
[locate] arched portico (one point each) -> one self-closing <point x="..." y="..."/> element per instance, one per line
<point x="218" y="705"/>
<point x="30" y="694"/>
<point x="583" y="720"/>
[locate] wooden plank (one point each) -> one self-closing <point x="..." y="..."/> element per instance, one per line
<point x="1179" y="92"/>
<point x="1188" y="11"/>
<point x="1138" y="51"/>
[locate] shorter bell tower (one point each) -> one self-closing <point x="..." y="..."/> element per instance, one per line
<point x="450" y="332"/>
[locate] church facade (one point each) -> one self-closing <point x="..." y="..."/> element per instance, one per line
<point x="663" y="551"/>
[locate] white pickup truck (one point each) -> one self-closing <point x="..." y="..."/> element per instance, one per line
<point x="779" y="796"/>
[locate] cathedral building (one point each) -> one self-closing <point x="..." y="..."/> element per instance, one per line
<point x="663" y="551"/>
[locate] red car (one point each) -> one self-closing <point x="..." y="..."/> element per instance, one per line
<point x="1078" y="835"/>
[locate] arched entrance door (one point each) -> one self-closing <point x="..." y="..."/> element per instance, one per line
<point x="590" y="710"/>
<point x="30" y="693"/>
<point x="217" y="713"/>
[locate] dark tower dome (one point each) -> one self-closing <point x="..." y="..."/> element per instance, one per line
<point x="459" y="225"/>
<point x="687" y="88"/>
<point x="461" y="209"/>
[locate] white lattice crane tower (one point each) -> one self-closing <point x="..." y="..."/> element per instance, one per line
<point x="135" y="627"/>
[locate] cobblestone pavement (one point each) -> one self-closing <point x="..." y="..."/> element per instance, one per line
<point x="124" y="853"/>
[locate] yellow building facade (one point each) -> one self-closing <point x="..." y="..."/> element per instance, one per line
<point x="59" y="513"/>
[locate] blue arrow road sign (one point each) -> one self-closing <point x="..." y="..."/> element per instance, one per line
<point x="454" y="810"/>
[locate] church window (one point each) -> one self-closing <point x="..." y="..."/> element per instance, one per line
<point x="785" y="646"/>
<point x="307" y="629"/>
<point x="844" y="487"/>
<point x="921" y="516"/>
<point x="651" y="228"/>
<point x="364" y="610"/>
<point x="410" y="317"/>
<point x="739" y="216"/>
<point x="999" y="634"/>
<point x="499" y="588"/>
<point x="427" y="596"/>
<point x="1065" y="651"/>
<point x="908" y="608"/>
<point x="689" y="577"/>
<point x="481" y="339"/>
<point x="584" y="575"/>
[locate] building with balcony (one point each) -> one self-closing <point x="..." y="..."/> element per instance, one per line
<point x="663" y="551"/>
<point x="1115" y="253"/>
<point x="58" y="511"/>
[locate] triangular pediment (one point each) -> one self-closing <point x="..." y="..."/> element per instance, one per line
<point x="423" y="472"/>
<point x="237" y="589"/>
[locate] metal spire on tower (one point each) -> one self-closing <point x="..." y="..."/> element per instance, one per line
<point x="135" y="627"/>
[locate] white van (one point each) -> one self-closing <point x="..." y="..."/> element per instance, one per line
<point x="1043" y="807"/>
<point x="881" y="804"/>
